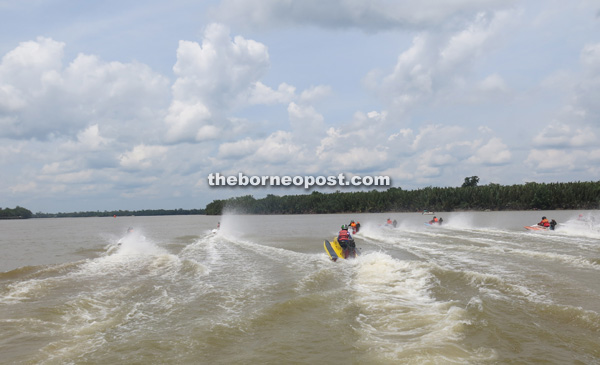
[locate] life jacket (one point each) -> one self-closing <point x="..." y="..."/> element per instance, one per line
<point x="352" y="224"/>
<point x="343" y="235"/>
<point x="544" y="223"/>
<point x="389" y="221"/>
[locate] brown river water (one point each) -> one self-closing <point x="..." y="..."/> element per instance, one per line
<point x="480" y="289"/>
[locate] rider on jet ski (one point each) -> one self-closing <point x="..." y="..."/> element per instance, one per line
<point x="345" y="239"/>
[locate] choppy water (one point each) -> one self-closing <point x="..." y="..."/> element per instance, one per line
<point x="480" y="289"/>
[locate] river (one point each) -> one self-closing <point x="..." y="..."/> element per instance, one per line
<point x="480" y="289"/>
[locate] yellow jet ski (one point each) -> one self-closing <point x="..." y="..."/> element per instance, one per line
<point x="336" y="251"/>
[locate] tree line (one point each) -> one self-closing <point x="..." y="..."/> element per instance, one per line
<point x="15" y="213"/>
<point x="119" y="213"/>
<point x="470" y="196"/>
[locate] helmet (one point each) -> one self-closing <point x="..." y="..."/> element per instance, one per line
<point x="544" y="217"/>
<point x="344" y="226"/>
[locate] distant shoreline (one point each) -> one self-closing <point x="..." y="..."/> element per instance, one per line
<point x="467" y="198"/>
<point x="122" y="213"/>
<point x="492" y="197"/>
<point x="65" y="215"/>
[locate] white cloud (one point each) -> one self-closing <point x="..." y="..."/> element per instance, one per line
<point x="305" y="120"/>
<point x="262" y="94"/>
<point x="43" y="99"/>
<point x="275" y="154"/>
<point x="56" y="168"/>
<point x="359" y="159"/>
<point x="110" y="84"/>
<point x="590" y="58"/>
<point x="88" y="139"/>
<point x="91" y="138"/>
<point x="11" y="99"/>
<point x="27" y="64"/>
<point x="315" y="93"/>
<point x="552" y="160"/>
<point x="493" y="83"/>
<point x="402" y="172"/>
<point x="587" y="91"/>
<point x="473" y="41"/>
<point x="328" y="142"/>
<point x="412" y="78"/>
<point x="492" y="153"/>
<point x="208" y="132"/>
<point x="75" y="177"/>
<point x="220" y="69"/>
<point x="215" y="77"/>
<point x="563" y="136"/>
<point x="437" y="68"/>
<point x="278" y="148"/>
<point x="403" y="134"/>
<point x="594" y="156"/>
<point x="340" y="147"/>
<point x="185" y="120"/>
<point x="24" y="188"/>
<point x="238" y="149"/>
<point x="142" y="156"/>
<point x="437" y="157"/>
<point x="435" y="135"/>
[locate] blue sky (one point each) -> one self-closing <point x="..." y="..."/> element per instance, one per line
<point x="130" y="105"/>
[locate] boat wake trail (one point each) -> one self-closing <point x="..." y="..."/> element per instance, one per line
<point x="401" y="320"/>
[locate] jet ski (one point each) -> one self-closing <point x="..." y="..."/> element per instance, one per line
<point x="336" y="251"/>
<point x="537" y="228"/>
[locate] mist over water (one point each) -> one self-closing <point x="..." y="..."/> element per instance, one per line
<point x="478" y="289"/>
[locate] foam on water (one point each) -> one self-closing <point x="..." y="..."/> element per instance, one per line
<point x="588" y="227"/>
<point x="133" y="283"/>
<point x="378" y="233"/>
<point x="576" y="261"/>
<point x="401" y="320"/>
<point x="454" y="249"/>
<point x="460" y="220"/>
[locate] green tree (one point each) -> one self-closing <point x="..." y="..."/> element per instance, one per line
<point x="470" y="181"/>
<point x="17" y="212"/>
<point x="575" y="195"/>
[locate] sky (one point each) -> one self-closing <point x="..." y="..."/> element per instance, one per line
<point x="131" y="105"/>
